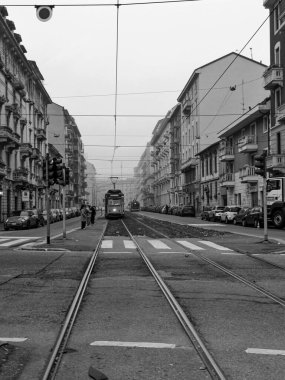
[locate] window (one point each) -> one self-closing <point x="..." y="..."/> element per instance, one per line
<point x="277" y="54"/>
<point x="278" y="142"/>
<point x="265" y="123"/>
<point x="276" y="17"/>
<point x="277" y="97"/>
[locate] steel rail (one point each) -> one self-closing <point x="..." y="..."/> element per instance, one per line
<point x="213" y="368"/>
<point x="61" y="341"/>
<point x="258" y="288"/>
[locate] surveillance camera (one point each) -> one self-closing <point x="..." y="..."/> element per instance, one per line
<point x="44" y="12"/>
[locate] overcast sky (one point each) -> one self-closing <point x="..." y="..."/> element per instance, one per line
<point x="159" y="46"/>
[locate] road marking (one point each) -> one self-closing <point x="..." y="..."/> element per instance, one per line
<point x="230" y="253"/>
<point x="14" y="242"/>
<point x="206" y="224"/>
<point x="187" y="244"/>
<point x="13" y="339"/>
<point x="129" y="244"/>
<point x="158" y="244"/>
<point x="264" y="351"/>
<point x="213" y="245"/>
<point x="108" y="343"/>
<point x="107" y="244"/>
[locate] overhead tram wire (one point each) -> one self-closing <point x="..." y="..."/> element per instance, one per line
<point x="105" y="4"/>
<point x="238" y="54"/>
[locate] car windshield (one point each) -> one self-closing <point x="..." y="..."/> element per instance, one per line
<point x="234" y="209"/>
<point x="25" y="213"/>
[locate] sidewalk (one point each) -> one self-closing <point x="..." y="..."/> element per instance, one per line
<point x="76" y="240"/>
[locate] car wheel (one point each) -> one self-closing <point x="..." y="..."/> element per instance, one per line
<point x="278" y="219"/>
<point x="244" y="223"/>
<point x="235" y="222"/>
<point x="6" y="229"/>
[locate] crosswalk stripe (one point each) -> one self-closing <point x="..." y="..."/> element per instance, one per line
<point x="216" y="246"/>
<point x="187" y="244"/>
<point x="129" y="244"/>
<point x="13" y="242"/>
<point x="107" y="244"/>
<point x="158" y="244"/>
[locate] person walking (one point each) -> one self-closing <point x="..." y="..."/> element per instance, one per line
<point x="83" y="215"/>
<point x="93" y="214"/>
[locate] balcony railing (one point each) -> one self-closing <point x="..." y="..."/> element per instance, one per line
<point x="247" y="174"/>
<point x="226" y="154"/>
<point x="275" y="161"/>
<point x="247" y="144"/>
<point x="227" y="179"/>
<point x="273" y="77"/>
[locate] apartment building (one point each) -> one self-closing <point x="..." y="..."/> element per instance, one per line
<point x="274" y="82"/>
<point x="64" y="135"/>
<point x="23" y="124"/>
<point x="145" y="176"/>
<point x="206" y="108"/>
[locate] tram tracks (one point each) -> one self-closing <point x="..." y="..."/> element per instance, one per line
<point x="58" y="350"/>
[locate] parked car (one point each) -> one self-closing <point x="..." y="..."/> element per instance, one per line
<point x="55" y="215"/>
<point x="205" y="212"/>
<point x="39" y="216"/>
<point x="215" y="213"/>
<point x="254" y="217"/>
<point x="239" y="217"/>
<point x="229" y="213"/>
<point x="186" y="210"/>
<point x="26" y="219"/>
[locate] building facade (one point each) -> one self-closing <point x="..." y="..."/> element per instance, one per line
<point x="23" y="124"/>
<point x="274" y="82"/>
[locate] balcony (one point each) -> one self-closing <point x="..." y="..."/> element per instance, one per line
<point x="41" y="133"/>
<point x="227" y="180"/>
<point x="26" y="150"/>
<point x="20" y="175"/>
<point x="247" y="174"/>
<point x="273" y="77"/>
<point x="189" y="164"/>
<point x="275" y="162"/>
<point x="226" y="154"/>
<point x="6" y="135"/>
<point x="247" y="144"/>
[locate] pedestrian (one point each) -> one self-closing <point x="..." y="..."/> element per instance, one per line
<point x="83" y="214"/>
<point x="88" y="210"/>
<point x="93" y="214"/>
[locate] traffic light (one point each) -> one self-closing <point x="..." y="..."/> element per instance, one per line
<point x="50" y="173"/>
<point x="58" y="171"/>
<point x="67" y="179"/>
<point x="260" y="164"/>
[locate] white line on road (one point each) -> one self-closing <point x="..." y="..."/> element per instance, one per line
<point x="13" y="339"/>
<point x="132" y="344"/>
<point x="129" y="244"/>
<point x="213" y="245"/>
<point x="13" y="242"/>
<point x="187" y="244"/>
<point x="264" y="351"/>
<point x="107" y="244"/>
<point x="158" y="244"/>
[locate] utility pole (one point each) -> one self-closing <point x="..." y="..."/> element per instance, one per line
<point x="47" y="198"/>
<point x="63" y="205"/>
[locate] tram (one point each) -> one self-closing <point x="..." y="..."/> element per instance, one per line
<point x="114" y="204"/>
<point x="135" y="205"/>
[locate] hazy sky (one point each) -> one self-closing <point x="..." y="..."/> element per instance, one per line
<point x="159" y="46"/>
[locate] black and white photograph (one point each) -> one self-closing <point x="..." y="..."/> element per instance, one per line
<point x="142" y="190"/>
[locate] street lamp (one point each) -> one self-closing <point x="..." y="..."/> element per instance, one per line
<point x="114" y="181"/>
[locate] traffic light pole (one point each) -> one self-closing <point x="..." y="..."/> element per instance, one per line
<point x="63" y="206"/>
<point x="265" y="223"/>
<point x="47" y="199"/>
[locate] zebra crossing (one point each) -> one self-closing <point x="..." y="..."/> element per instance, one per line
<point x="13" y="241"/>
<point x="199" y="245"/>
